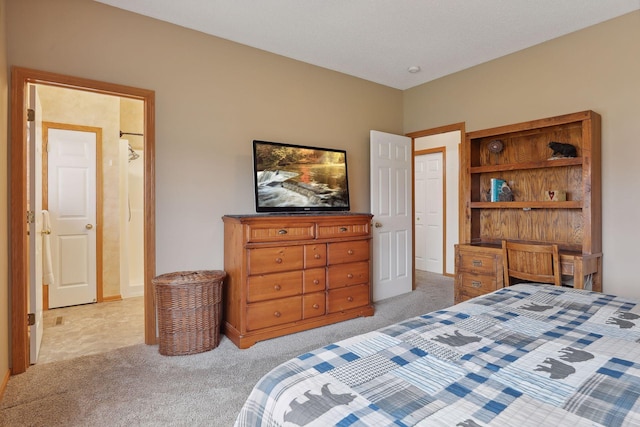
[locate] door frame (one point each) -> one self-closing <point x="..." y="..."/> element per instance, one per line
<point x="19" y="258"/>
<point x="429" y="132"/>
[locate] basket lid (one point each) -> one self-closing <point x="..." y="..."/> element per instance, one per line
<point x="186" y="277"/>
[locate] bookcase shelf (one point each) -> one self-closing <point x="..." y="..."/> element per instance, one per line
<point x="528" y="165"/>
<point x="527" y="205"/>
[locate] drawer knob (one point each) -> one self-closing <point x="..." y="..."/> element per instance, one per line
<point x="316" y="282"/>
<point x="350" y="299"/>
<point x="476" y="263"/>
<point x="282" y="231"/>
<point x="317" y="256"/>
<point x="277" y="314"/>
<point x="343" y="229"/>
<point x="350" y="276"/>
<point x="476" y="284"/>
<point x="350" y="251"/>
<point x="277" y="287"/>
<point x="316" y="306"/>
<point x="278" y="260"/>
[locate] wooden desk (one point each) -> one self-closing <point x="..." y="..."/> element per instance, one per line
<point x="479" y="270"/>
<point x="580" y="265"/>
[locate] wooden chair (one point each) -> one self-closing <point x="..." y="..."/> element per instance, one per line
<point x="539" y="263"/>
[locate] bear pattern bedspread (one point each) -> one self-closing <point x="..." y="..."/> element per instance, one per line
<point x="527" y="355"/>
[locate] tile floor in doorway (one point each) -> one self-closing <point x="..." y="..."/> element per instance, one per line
<point x="91" y="328"/>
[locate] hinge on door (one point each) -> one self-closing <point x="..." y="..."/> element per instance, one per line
<point x="31" y="115"/>
<point x="31" y="217"/>
<point x="31" y="319"/>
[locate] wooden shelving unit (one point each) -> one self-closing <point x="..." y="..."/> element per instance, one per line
<point x="526" y="165"/>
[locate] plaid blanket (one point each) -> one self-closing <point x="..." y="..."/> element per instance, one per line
<point x="528" y="355"/>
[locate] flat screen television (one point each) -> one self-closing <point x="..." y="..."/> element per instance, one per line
<point x="297" y="178"/>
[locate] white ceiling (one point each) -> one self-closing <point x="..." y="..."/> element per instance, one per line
<point x="378" y="40"/>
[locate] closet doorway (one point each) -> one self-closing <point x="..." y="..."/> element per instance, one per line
<point x="446" y="141"/>
<point x="19" y="202"/>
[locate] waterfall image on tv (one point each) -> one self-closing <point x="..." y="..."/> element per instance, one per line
<point x="299" y="178"/>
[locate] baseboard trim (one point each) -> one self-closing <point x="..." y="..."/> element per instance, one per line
<point x="5" y="381"/>
<point x="112" y="298"/>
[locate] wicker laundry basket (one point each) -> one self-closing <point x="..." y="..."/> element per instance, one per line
<point x="189" y="311"/>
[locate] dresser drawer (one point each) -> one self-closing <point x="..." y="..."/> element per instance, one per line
<point x="341" y="275"/>
<point x="342" y="252"/>
<point x="272" y="260"/>
<point x="315" y="255"/>
<point x="478" y="263"/>
<point x="478" y="283"/>
<point x="330" y="231"/>
<point x="280" y="232"/>
<point x="313" y="305"/>
<point x="346" y="298"/>
<point x="276" y="285"/>
<point x="275" y="312"/>
<point x="314" y="280"/>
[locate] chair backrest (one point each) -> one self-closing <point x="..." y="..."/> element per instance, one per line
<point x="539" y="263"/>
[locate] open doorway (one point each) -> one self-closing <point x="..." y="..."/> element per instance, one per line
<point x="20" y="295"/>
<point x="436" y="227"/>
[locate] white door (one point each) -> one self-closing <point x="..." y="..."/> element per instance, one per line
<point x="72" y="207"/>
<point x="392" y="211"/>
<point x="428" y="198"/>
<point x="34" y="136"/>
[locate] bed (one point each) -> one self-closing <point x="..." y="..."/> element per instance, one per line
<point x="526" y="355"/>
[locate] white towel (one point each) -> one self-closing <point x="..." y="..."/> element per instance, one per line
<point x="47" y="264"/>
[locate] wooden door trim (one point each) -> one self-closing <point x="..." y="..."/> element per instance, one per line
<point x="99" y="191"/>
<point x="19" y="257"/>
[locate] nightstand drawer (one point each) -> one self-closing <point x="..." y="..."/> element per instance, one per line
<point x="271" y="286"/>
<point x="275" y="312"/>
<point x="273" y="260"/>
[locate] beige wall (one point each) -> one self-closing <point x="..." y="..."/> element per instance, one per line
<point x="213" y="97"/>
<point x="593" y="69"/>
<point x="4" y="206"/>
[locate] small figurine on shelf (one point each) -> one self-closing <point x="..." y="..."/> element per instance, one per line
<point x="505" y="195"/>
<point x="560" y="149"/>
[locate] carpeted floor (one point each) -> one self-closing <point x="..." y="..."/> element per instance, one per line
<point x="136" y="386"/>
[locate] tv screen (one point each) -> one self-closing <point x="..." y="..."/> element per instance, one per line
<point x="296" y="178"/>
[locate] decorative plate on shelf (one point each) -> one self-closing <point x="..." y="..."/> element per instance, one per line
<point x="495" y="146"/>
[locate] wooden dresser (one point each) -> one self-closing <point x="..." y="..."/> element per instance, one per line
<point x="519" y="154"/>
<point x="289" y="273"/>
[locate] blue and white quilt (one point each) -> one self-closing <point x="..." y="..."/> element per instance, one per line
<point x="528" y="355"/>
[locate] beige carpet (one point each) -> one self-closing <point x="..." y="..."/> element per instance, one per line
<point x="136" y="386"/>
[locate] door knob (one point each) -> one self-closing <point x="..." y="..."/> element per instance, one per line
<point x="377" y="225"/>
<point x="88" y="226"/>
